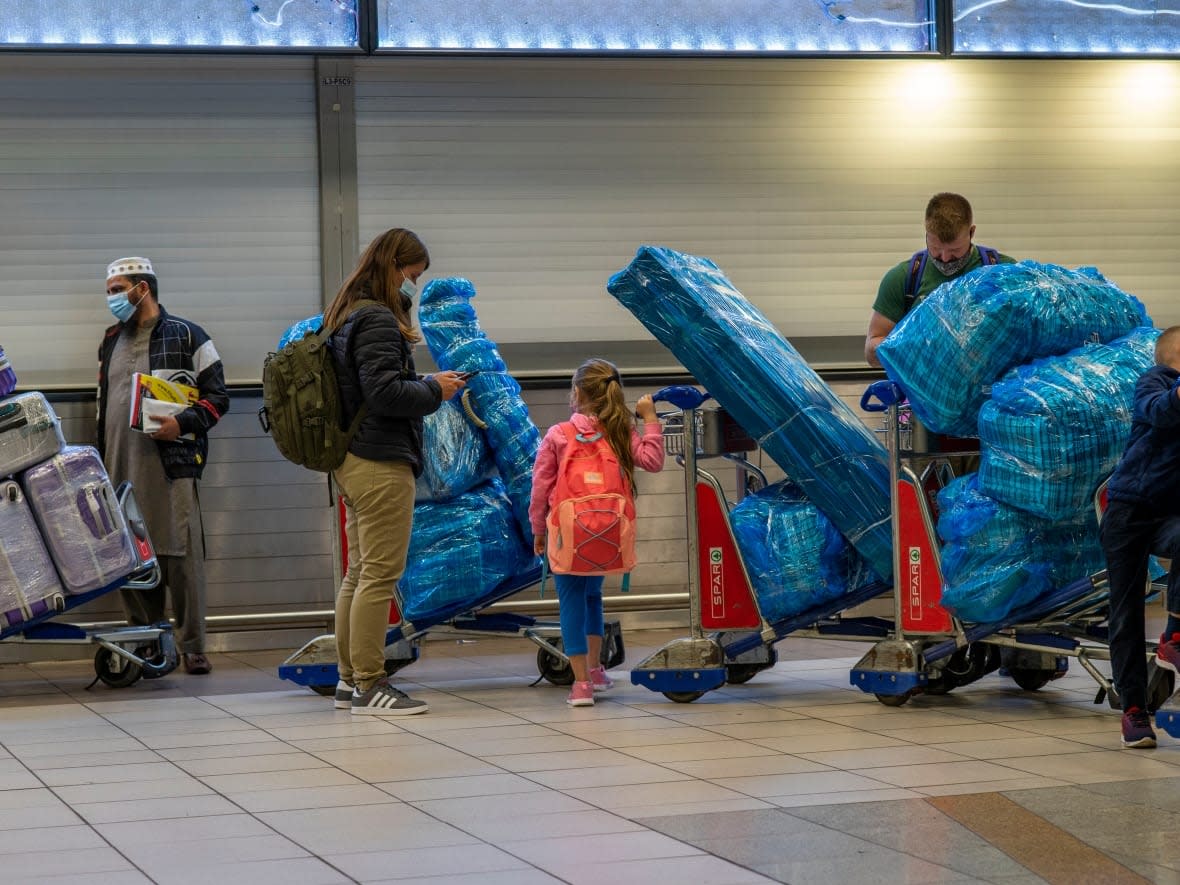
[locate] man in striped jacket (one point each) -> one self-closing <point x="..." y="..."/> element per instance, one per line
<point x="165" y="459"/>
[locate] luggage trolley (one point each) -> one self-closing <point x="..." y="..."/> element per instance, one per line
<point x="932" y="651"/>
<point x="124" y="654"/>
<point x="730" y="640"/>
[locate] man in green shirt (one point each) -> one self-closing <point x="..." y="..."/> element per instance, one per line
<point x="949" y="253"/>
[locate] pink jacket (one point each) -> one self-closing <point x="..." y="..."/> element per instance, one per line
<point x="648" y="451"/>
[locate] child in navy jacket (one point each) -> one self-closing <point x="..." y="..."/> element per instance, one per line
<point x="1143" y="518"/>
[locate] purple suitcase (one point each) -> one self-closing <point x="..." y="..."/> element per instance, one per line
<point x="80" y="519"/>
<point x="29" y="586"/>
<point x="30" y="432"/>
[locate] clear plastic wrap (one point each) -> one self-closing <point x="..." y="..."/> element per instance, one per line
<point x="296" y="331"/>
<point x="457" y="343"/>
<point x="762" y="381"/>
<point x="461" y="551"/>
<point x="29" y="584"/>
<point x="1054" y="429"/>
<point x="30" y="432"/>
<point x="795" y="557"/>
<point x="458" y="457"/>
<point x="948" y="350"/>
<point x="997" y="559"/>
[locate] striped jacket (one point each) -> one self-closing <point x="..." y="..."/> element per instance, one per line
<point x="184" y="348"/>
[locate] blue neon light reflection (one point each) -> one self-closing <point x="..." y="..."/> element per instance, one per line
<point x="1067" y="27"/>
<point x="664" y="26"/>
<point x="180" y="23"/>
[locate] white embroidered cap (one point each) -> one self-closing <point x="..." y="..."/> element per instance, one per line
<point x="125" y="267"/>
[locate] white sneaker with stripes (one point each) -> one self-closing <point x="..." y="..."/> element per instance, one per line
<point x="382" y="699"/>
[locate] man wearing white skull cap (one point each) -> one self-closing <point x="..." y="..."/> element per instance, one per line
<point x="165" y="461"/>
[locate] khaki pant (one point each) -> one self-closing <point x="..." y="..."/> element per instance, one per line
<point x="379" y="513"/>
<point x="183" y="581"/>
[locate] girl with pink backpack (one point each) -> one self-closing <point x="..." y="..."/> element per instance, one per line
<point x="583" y="508"/>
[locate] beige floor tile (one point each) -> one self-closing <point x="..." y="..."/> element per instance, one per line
<point x="106" y="774"/>
<point x="68" y="838"/>
<point x="840" y="739"/>
<point x="807" y="782"/>
<point x="665" y="809"/>
<point x="1028" y="782"/>
<point x="346" y="830"/>
<point x="562" y="856"/>
<point x="407" y="863"/>
<point x="280" y="871"/>
<point x="261" y="748"/>
<point x="579" y="824"/>
<point x="882" y="757"/>
<point x="665" y="871"/>
<point x="22" y="866"/>
<point x="847" y="797"/>
<point x="134" y="791"/>
<point x="251" y="764"/>
<point x="160" y="859"/>
<point x="459" y="787"/>
<point x="301" y="798"/>
<point x="1095" y="767"/>
<point x="914" y="776"/>
<point x="233" y="784"/>
<point x="407" y="763"/>
<point x="172" y="831"/>
<point x="155" y="809"/>
<point x="606" y="776"/>
<point x="682" y="792"/>
<point x="652" y="736"/>
<point x="756" y="766"/>
<point x="526" y="762"/>
<point x="525" y="876"/>
<point x="1011" y="747"/>
<point x="700" y="750"/>
<point x="974" y="731"/>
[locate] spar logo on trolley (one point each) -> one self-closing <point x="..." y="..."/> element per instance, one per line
<point x="915" y="583"/>
<point x="716" y="582"/>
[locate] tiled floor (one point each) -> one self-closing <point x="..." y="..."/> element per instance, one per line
<point x="794" y="777"/>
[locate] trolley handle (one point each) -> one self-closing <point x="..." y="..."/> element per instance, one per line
<point x="682" y="396"/>
<point x="886" y="393"/>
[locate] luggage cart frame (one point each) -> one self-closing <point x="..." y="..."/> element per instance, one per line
<point x="124" y="654"/>
<point x="730" y="640"/>
<point x="931" y="651"/>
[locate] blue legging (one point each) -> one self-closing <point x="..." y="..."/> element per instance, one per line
<point x="580" y="601"/>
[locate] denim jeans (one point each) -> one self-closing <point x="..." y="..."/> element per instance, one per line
<point x="1129" y="535"/>
<point x="579" y="599"/>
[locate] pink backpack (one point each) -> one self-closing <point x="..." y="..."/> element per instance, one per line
<point x="591" y="523"/>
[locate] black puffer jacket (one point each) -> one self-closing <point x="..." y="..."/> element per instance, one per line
<point x="1149" y="473"/>
<point x="375" y="366"/>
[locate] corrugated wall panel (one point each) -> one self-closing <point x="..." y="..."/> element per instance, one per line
<point x="804" y="179"/>
<point x="206" y="164"/>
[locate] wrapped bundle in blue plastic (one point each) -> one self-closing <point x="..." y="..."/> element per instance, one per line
<point x="457" y="343"/>
<point x="949" y="349"/>
<point x="795" y="557"/>
<point x="301" y="328"/>
<point x="993" y="562"/>
<point x="461" y="551"/>
<point x="763" y="382"/>
<point x="458" y="457"/>
<point x="1054" y="429"/>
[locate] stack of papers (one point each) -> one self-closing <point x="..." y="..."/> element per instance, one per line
<point x="153" y="399"/>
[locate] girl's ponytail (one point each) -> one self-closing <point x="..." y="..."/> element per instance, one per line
<point x="600" y="392"/>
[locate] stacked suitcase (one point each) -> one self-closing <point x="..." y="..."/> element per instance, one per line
<point x="62" y="532"/>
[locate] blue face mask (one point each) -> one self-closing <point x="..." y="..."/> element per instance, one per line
<point x="408" y="288"/>
<point x="121" y="306"/>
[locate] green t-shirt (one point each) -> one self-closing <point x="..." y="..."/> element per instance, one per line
<point x="890" y="301"/>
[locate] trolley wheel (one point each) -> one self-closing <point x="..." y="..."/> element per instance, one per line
<point x="154" y="655"/>
<point x="553" y="668"/>
<point x="683" y="697"/>
<point x="115" y="670"/>
<point x="739" y="674"/>
<point x="941" y="684"/>
<point x="1029" y="678"/>
<point x="326" y="691"/>
<point x="894" y="700"/>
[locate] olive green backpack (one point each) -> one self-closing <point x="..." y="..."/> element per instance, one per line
<point x="301" y="407"/>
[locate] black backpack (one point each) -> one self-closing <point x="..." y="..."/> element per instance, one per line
<point x="301" y="407"/>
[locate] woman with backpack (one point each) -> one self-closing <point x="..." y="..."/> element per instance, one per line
<point x="583" y="508"/>
<point x="372" y="341"/>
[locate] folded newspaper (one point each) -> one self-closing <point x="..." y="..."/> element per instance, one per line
<point x="154" y="398"/>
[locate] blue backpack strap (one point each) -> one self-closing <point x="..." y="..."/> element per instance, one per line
<point x="988" y="255"/>
<point x="913" y="278"/>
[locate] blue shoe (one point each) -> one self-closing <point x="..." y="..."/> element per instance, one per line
<point x="1137" y="731"/>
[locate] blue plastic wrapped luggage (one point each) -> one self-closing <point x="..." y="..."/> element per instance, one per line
<point x="795" y="557"/>
<point x="458" y="456"/>
<point x="997" y="558"/>
<point x="949" y="349"/>
<point x="296" y="331"/>
<point x="457" y="343"/>
<point x="1054" y="429"/>
<point x="762" y="381"/>
<point x="460" y="552"/>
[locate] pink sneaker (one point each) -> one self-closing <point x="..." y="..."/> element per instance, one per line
<point x="581" y="695"/>
<point x="1168" y="653"/>
<point x="600" y="680"/>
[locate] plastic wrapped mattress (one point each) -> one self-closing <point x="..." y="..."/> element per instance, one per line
<point x="761" y="380"/>
<point x="1054" y="429"/>
<point x="457" y="343"/>
<point x="949" y="349"/>
<point x="795" y="557"/>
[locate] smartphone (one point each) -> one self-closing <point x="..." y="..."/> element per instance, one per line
<point x="466" y="375"/>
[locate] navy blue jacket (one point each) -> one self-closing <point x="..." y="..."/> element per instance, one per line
<point x="375" y="366"/>
<point x="1149" y="473"/>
